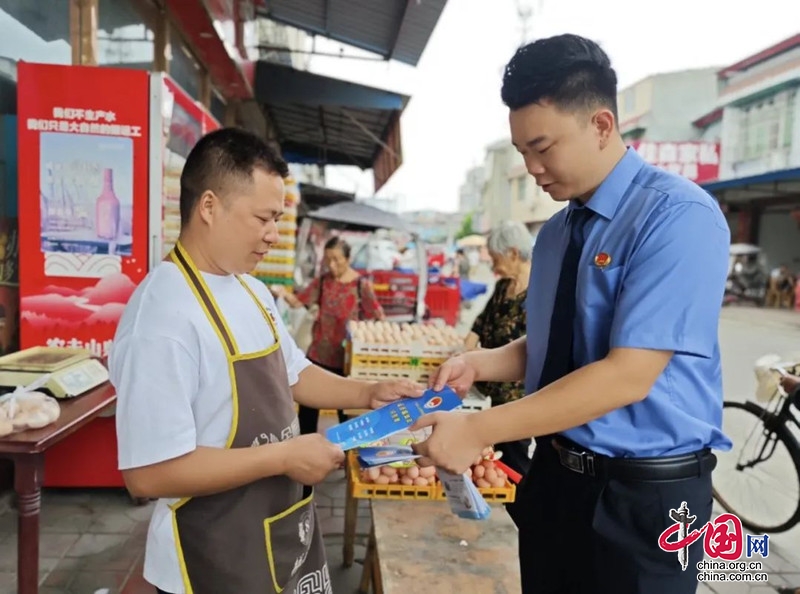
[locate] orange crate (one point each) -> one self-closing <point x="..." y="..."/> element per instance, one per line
<point x="505" y="494"/>
<point x="360" y="490"/>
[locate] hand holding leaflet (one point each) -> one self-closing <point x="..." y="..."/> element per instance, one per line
<point x="383" y="422"/>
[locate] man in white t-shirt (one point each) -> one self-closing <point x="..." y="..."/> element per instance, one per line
<point x="207" y="377"/>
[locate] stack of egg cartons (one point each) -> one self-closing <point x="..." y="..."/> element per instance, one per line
<point x="277" y="267"/>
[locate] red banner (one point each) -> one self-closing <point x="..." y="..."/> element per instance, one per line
<point x="698" y="161"/>
<point x="83" y="187"/>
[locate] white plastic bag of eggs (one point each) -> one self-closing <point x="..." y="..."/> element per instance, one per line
<point x="379" y="332"/>
<point x="409" y="476"/>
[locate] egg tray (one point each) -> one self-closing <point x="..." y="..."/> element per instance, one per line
<point x="506" y="494"/>
<point x="362" y="490"/>
<point x="388" y="362"/>
<point x="269" y="278"/>
<point x="287" y="243"/>
<point x="274" y="269"/>
<point x="383" y="374"/>
<point x="279" y="257"/>
<point x="416" y="350"/>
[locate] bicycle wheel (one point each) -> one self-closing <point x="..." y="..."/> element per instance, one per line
<point x="759" y="478"/>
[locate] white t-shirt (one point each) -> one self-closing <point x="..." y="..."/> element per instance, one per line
<point x="173" y="389"/>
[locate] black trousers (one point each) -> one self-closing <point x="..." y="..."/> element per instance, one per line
<point x="581" y="535"/>
<point x="309" y="417"/>
<point x="515" y="455"/>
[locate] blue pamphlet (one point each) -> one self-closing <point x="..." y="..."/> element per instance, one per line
<point x="383" y="422"/>
<point x="382" y="455"/>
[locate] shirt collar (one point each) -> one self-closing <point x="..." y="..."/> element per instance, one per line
<point x="607" y="197"/>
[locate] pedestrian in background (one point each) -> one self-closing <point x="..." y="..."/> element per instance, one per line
<point x="341" y="294"/>
<point x="503" y="321"/>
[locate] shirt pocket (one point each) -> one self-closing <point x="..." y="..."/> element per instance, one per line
<point x="599" y="289"/>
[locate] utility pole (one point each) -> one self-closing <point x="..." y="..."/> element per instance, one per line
<point x="527" y="11"/>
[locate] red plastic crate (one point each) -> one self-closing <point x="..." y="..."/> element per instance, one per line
<point x="444" y="302"/>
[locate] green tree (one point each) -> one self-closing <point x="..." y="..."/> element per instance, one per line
<point x="466" y="227"/>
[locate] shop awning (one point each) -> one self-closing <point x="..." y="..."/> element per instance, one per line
<point x="357" y="215"/>
<point x="773" y="187"/>
<point x="196" y="24"/>
<point x="394" y="29"/>
<point x="327" y="121"/>
<point x="313" y="197"/>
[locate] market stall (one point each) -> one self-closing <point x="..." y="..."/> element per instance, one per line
<point x="401" y="293"/>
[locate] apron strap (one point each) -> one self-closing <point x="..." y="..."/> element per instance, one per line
<point x="198" y="286"/>
<point x="267" y="315"/>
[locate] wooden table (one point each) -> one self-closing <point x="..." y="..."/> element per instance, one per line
<point x="26" y="450"/>
<point x="420" y="546"/>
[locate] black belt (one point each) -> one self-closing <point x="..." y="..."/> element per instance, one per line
<point x="667" y="468"/>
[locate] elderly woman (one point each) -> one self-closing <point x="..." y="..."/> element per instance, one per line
<point x="342" y="295"/>
<point x="503" y="320"/>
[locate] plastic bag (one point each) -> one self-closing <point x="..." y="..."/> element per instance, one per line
<point x="25" y="408"/>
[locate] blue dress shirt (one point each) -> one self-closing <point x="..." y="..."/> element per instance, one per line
<point x="651" y="276"/>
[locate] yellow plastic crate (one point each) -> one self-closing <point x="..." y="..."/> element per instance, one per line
<point x="507" y="494"/>
<point x="382" y="374"/>
<point x="361" y="490"/>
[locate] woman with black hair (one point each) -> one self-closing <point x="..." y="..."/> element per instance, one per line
<point x="342" y="294"/>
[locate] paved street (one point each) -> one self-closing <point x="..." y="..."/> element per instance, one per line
<point x="745" y="335"/>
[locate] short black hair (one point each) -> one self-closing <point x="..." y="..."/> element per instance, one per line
<point x="338" y="242"/>
<point x="223" y="155"/>
<point x="572" y="72"/>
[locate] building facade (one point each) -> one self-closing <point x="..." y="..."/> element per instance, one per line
<point x="758" y="118"/>
<point x="510" y="193"/>
<point x="469" y="194"/>
<point x="656" y="118"/>
<point x="662" y="107"/>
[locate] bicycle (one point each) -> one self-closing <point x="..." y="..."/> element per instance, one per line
<point x="769" y="452"/>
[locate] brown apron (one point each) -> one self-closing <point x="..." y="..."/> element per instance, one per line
<point x="262" y="538"/>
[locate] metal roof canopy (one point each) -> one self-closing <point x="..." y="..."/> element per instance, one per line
<point x="315" y="197"/>
<point x="769" y="188"/>
<point x="326" y="121"/>
<point x="361" y="216"/>
<point x="394" y="29"/>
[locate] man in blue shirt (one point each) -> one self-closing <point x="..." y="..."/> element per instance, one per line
<point x="621" y="359"/>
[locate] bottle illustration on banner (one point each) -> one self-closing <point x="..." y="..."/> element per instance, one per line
<point x="107" y="209"/>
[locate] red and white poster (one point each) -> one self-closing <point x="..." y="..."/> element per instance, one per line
<point x="698" y="161"/>
<point x="83" y="187"/>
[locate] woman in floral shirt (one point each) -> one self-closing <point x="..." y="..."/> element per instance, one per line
<point x="503" y="320"/>
<point x="342" y="295"/>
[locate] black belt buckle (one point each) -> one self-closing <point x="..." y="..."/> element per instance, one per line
<point x="580" y="462"/>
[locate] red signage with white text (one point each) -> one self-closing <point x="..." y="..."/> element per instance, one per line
<point x="698" y="161"/>
<point x="83" y="188"/>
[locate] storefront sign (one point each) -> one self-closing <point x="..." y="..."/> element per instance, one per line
<point x="698" y="161"/>
<point x="83" y="179"/>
